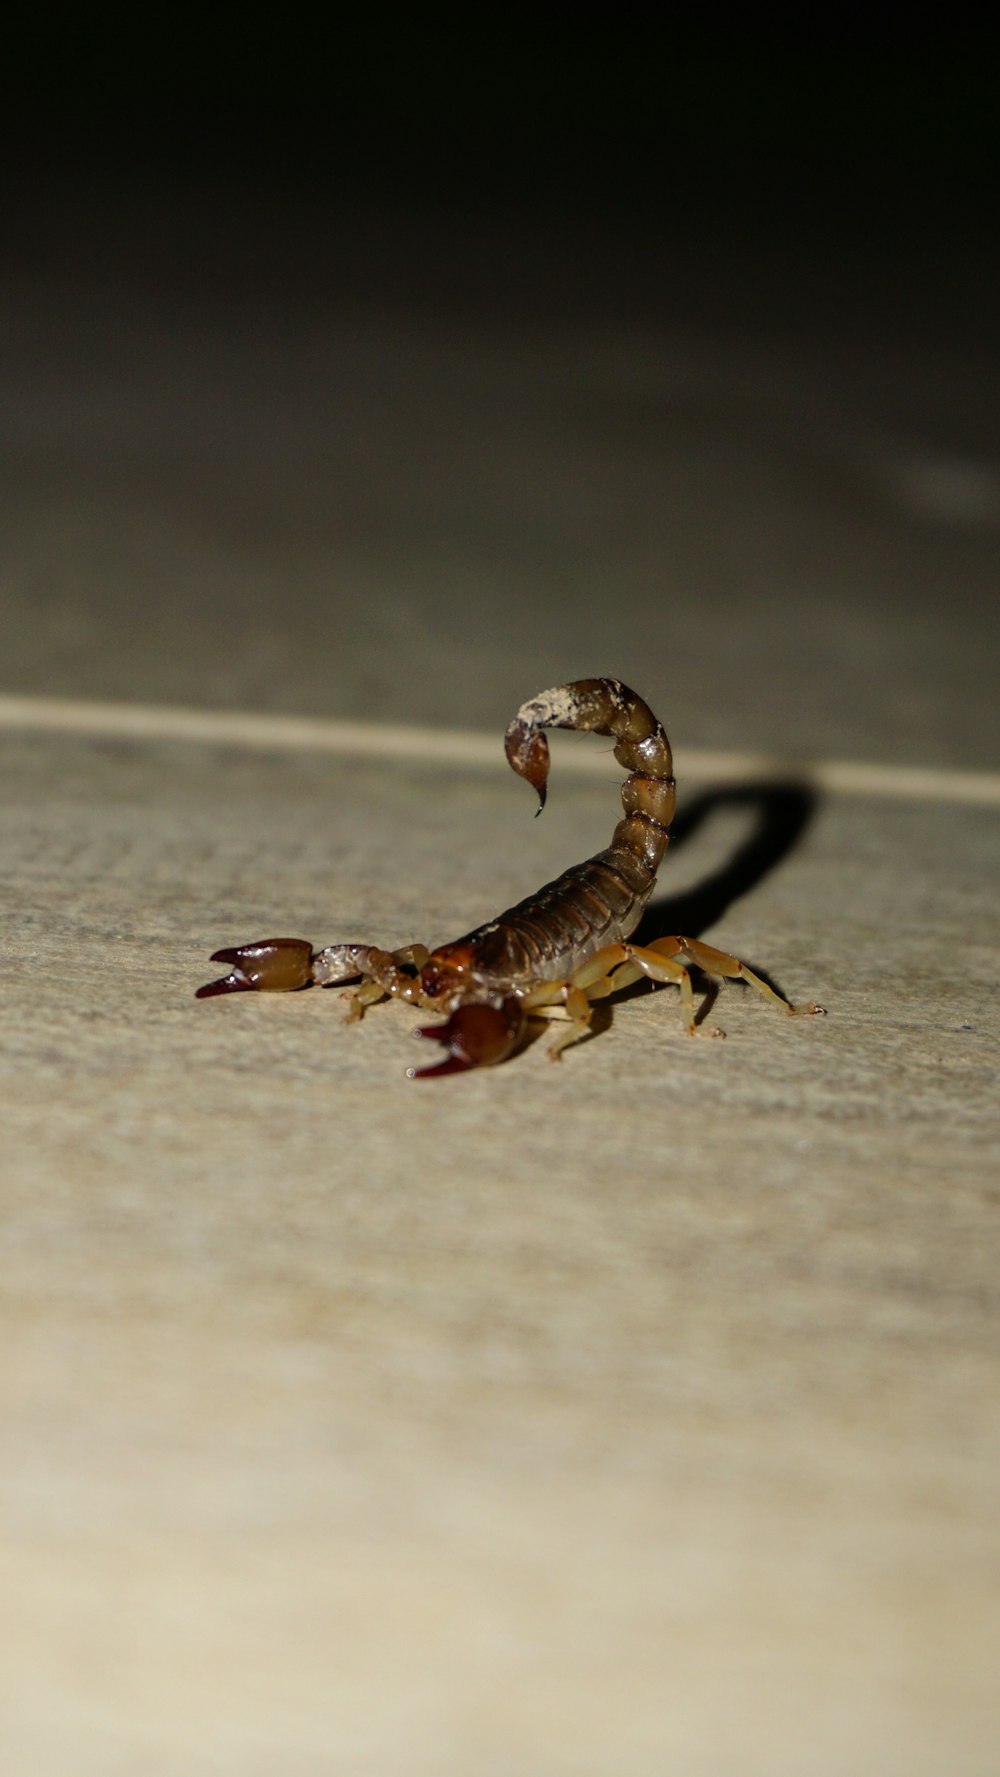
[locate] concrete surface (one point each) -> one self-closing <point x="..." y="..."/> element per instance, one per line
<point x="638" y="1414"/>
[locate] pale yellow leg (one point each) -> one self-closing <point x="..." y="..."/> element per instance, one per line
<point x="558" y="1000"/>
<point x="414" y="954"/>
<point x="618" y="965"/>
<point x="577" y="1009"/>
<point x="651" y="960"/>
<point x="719" y="962"/>
<point x="357" y="998"/>
<point x="600" y="966"/>
<point x="396" y="980"/>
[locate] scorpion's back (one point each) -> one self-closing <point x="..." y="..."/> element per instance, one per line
<point x="548" y="935"/>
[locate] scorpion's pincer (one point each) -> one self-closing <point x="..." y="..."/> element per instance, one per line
<point x="476" y="1036"/>
<point x="274" y="965"/>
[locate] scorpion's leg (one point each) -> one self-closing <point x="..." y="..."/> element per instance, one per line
<point x="572" y="999"/>
<point x="659" y="963"/>
<point x="617" y="965"/>
<point x="386" y="973"/>
<point x="574" y="1028"/>
<point x="719" y="962"/>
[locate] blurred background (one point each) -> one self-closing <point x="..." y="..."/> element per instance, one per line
<point x="397" y="368"/>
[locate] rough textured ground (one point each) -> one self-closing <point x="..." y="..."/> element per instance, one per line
<point x="639" y="1413"/>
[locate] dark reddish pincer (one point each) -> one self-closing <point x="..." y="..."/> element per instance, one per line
<point x="274" y="965"/>
<point x="475" y="1035"/>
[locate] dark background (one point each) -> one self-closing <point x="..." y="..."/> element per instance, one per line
<point x="861" y="131"/>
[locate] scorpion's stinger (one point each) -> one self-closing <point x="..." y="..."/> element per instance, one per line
<point x="605" y="706"/>
<point x="528" y="754"/>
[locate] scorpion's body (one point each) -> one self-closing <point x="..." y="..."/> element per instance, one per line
<point x="553" y="932"/>
<point x="555" y="952"/>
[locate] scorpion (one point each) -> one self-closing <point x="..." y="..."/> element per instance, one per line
<point x="556" y="953"/>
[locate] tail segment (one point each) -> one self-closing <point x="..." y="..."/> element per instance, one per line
<point x="604" y="706"/>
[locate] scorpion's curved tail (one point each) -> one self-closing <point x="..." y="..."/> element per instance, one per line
<point x="605" y="706"/>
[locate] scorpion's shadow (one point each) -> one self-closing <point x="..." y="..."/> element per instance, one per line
<point x="783" y="809"/>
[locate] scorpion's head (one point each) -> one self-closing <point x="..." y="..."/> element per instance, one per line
<point x="448" y="978"/>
